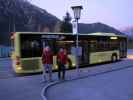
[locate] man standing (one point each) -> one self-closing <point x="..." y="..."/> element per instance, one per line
<point x="62" y="60"/>
<point x="47" y="60"/>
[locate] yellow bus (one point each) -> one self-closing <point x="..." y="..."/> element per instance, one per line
<point x="93" y="48"/>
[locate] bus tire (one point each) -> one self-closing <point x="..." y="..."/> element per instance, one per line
<point x="114" y="58"/>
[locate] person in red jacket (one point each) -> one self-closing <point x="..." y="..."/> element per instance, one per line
<point x="62" y="60"/>
<point x="47" y="60"/>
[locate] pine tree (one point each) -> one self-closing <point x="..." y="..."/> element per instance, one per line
<point x="66" y="26"/>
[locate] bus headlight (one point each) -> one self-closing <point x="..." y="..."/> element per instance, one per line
<point x="56" y="66"/>
<point x="73" y="64"/>
<point x="113" y="38"/>
<point x="19" y="68"/>
<point x="130" y="56"/>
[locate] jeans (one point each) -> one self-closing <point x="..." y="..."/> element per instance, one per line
<point x="47" y="71"/>
<point x="61" y="69"/>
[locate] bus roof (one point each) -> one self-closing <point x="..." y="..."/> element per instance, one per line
<point x="89" y="34"/>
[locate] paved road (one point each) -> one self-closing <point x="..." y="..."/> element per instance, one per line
<point x="29" y="87"/>
<point x="18" y="88"/>
<point x="6" y="68"/>
<point x="21" y="88"/>
<point x="116" y="85"/>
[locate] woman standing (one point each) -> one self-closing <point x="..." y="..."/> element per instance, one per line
<point x="47" y="59"/>
<point x="62" y="60"/>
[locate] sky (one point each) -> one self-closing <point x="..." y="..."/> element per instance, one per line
<point x="116" y="13"/>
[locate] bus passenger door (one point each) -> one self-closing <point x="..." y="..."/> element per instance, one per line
<point x="123" y="49"/>
<point x="85" y="53"/>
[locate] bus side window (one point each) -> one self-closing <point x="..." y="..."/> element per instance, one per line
<point x="25" y="45"/>
<point x="34" y="44"/>
<point x="93" y="46"/>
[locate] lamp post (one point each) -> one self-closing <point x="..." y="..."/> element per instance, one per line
<point x="77" y="13"/>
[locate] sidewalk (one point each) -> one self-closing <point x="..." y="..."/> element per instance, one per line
<point x="94" y="70"/>
<point x="89" y="71"/>
<point x="31" y="86"/>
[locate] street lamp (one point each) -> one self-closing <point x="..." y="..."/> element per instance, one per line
<point x="77" y="13"/>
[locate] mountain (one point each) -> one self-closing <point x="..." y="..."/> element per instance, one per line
<point x="97" y="27"/>
<point x="128" y="31"/>
<point x="20" y="15"/>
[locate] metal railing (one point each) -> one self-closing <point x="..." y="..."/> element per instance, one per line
<point x="5" y="51"/>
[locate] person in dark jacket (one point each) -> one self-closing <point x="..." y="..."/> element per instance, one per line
<point x="47" y="60"/>
<point x="62" y="60"/>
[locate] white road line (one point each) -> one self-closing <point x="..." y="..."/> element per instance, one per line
<point x="43" y="92"/>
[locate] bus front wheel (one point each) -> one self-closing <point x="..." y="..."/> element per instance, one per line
<point x="114" y="58"/>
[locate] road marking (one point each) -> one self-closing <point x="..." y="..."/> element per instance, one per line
<point x="44" y="90"/>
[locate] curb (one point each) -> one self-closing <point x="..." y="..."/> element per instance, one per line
<point x="44" y="90"/>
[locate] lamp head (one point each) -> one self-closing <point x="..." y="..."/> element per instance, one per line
<point x="77" y="11"/>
